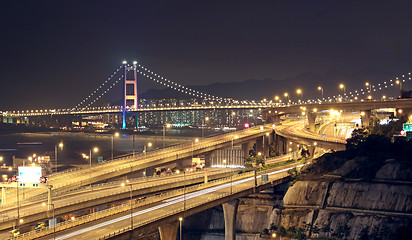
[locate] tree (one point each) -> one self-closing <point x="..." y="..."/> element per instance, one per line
<point x="358" y="135"/>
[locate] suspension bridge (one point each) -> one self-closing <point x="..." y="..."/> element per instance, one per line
<point x="128" y="75"/>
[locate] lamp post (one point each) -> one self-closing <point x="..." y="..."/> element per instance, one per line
<point x="277" y="100"/>
<point x="399" y="82"/>
<point x="115" y="135"/>
<point x="203" y="126"/>
<point x="180" y="227"/>
<point x="320" y="88"/>
<point x="286" y="96"/>
<point x="164" y="132"/>
<point x="342" y="86"/>
<point x="146" y="148"/>
<point x="233" y="116"/>
<point x="299" y="92"/>
<point x="60" y="145"/>
<point x="235" y="137"/>
<point x="95" y="149"/>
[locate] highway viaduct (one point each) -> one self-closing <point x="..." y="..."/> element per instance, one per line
<point x="166" y="213"/>
<point x="248" y="136"/>
<point x="403" y="108"/>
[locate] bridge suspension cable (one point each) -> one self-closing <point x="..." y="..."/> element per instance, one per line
<point x="175" y="86"/>
<point x="78" y="106"/>
<point x="103" y="93"/>
<point x="372" y="88"/>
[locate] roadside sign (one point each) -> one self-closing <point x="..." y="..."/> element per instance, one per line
<point x="99" y="159"/>
<point x="408" y="136"/>
<point x="407" y="127"/>
<point x="323" y="135"/>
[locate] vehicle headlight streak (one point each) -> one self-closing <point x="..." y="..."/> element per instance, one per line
<point x="167" y="203"/>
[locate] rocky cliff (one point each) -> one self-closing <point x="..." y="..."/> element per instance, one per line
<point x="335" y="206"/>
<point x="326" y="203"/>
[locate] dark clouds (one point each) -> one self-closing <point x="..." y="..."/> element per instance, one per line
<point x="53" y="53"/>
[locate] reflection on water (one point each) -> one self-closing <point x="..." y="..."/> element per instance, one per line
<point x="23" y="145"/>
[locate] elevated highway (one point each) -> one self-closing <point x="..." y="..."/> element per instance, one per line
<point x="166" y="211"/>
<point x="403" y="107"/>
<point x="345" y="106"/>
<point x="36" y="209"/>
<point x="97" y="173"/>
<point x="294" y="131"/>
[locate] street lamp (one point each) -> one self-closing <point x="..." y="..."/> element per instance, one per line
<point x="233" y="116"/>
<point x="342" y="86"/>
<point x="277" y="100"/>
<point x="399" y="82"/>
<point x="299" y="92"/>
<point x="203" y="126"/>
<point x="286" y="96"/>
<point x="95" y="149"/>
<point x="60" y="145"/>
<point x="164" y="132"/>
<point x="115" y="135"/>
<point x="146" y="148"/>
<point x="320" y="88"/>
<point x="233" y="138"/>
<point x="180" y="224"/>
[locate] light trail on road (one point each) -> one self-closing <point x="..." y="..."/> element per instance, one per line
<point x="166" y="203"/>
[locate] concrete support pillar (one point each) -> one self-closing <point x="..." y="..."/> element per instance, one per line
<point x="259" y="145"/>
<point x="311" y="120"/>
<point x="230" y="212"/>
<point x="209" y="158"/>
<point x="49" y="197"/>
<point x="280" y="144"/>
<point x="365" y="117"/>
<point x="246" y="147"/>
<point x="311" y="151"/>
<point x="168" y="231"/>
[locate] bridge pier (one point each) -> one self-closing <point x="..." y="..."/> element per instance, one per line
<point x="311" y="151"/>
<point x="168" y="231"/>
<point x="312" y="120"/>
<point x="365" y="117"/>
<point x="262" y="145"/>
<point x="280" y="144"/>
<point x="230" y="212"/>
<point x="247" y="146"/>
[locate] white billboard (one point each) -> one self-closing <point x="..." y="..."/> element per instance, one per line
<point x="29" y="174"/>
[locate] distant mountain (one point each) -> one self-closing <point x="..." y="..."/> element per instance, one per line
<point x="268" y="88"/>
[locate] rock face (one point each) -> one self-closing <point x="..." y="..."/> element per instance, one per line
<point x="325" y="207"/>
<point x="371" y="196"/>
<point x="306" y="193"/>
<point x="352" y="209"/>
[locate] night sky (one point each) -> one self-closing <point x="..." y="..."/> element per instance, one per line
<point x="54" y="53"/>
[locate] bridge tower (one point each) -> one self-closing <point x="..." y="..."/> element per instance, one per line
<point x="130" y="97"/>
